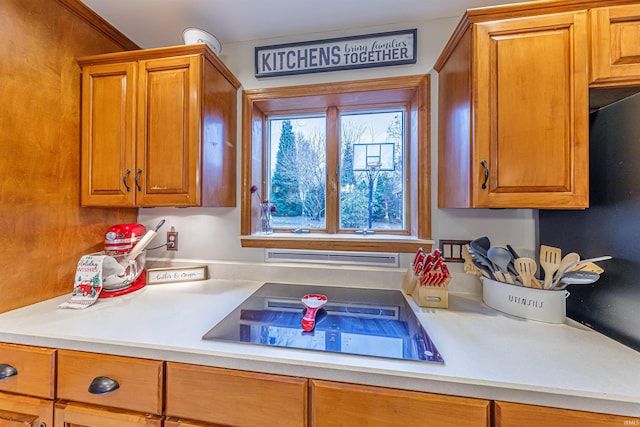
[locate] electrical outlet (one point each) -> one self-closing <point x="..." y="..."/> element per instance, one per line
<point x="452" y="249"/>
<point x="172" y="240"/>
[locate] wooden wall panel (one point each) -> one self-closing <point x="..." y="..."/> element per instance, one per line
<point x="43" y="229"/>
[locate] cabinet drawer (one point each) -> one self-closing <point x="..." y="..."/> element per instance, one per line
<point x="338" y="404"/>
<point x="35" y="368"/>
<point x="229" y="397"/>
<point x="520" y="415"/>
<point x="140" y="380"/>
<point x="69" y="414"/>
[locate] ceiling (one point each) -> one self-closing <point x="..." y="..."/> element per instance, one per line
<point x="156" y="23"/>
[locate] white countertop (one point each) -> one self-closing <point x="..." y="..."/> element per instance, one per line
<point x="487" y="354"/>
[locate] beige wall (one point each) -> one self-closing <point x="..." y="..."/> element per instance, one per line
<point x="43" y="230"/>
<point x="214" y="233"/>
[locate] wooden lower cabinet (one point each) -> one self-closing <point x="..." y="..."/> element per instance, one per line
<point x="234" y="398"/>
<point x="337" y="404"/>
<point x="72" y="414"/>
<point x="520" y="415"/>
<point x="139" y="381"/>
<point x="179" y="422"/>
<point x="50" y="388"/>
<point x="26" y="397"/>
<point x="22" y="411"/>
<point x="86" y="401"/>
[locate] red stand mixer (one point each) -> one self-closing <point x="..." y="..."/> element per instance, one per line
<point x="126" y="243"/>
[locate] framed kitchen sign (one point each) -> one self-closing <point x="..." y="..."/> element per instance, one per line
<point x="344" y="53"/>
<point x="157" y="276"/>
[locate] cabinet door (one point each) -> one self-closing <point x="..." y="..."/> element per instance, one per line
<point x="519" y="415"/>
<point x="178" y="422"/>
<point x="22" y="411"/>
<point x="531" y="113"/>
<point x="69" y="414"/>
<point x="338" y="404"/>
<point x="108" y="126"/>
<point x="615" y="51"/>
<point x="235" y="398"/>
<point x="168" y="156"/>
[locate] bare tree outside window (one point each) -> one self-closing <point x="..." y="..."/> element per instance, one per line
<point x="384" y="209"/>
<point x="367" y="199"/>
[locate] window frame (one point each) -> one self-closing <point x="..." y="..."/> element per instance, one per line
<point x="328" y="98"/>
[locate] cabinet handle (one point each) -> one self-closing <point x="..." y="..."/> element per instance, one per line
<point x="486" y="174"/>
<point x="101" y="385"/>
<point x="124" y="180"/>
<point x="7" y="371"/>
<point x="138" y="172"/>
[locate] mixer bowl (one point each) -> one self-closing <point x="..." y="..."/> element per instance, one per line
<point x="118" y="272"/>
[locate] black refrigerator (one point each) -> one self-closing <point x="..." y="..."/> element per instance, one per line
<point x="610" y="226"/>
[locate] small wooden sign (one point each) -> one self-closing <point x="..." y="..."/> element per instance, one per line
<point x="177" y="274"/>
<point x="344" y="53"/>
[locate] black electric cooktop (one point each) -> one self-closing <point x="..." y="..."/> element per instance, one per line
<point x="368" y="322"/>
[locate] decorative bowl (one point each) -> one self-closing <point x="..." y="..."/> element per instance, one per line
<point x="196" y="35"/>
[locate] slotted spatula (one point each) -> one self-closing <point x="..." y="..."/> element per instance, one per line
<point x="526" y="268"/>
<point x="550" y="262"/>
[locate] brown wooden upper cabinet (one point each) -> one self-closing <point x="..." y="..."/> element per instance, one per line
<point x="158" y="129"/>
<point x="513" y="110"/>
<point x="615" y="51"/>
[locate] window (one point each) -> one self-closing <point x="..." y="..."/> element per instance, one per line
<point x="346" y="165"/>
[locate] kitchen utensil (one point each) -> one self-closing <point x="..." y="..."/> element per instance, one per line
<point x="312" y="302"/>
<point x="568" y="259"/>
<point x="142" y="244"/>
<point x="587" y="266"/>
<point x="526" y="268"/>
<point x="576" y="278"/>
<point x="549" y="261"/>
<point x="502" y="258"/>
<point x="513" y="252"/>
<point x="485" y="264"/>
<point x="481" y="245"/>
<point x="576" y="265"/>
<point x="468" y="266"/>
<point x="417" y="259"/>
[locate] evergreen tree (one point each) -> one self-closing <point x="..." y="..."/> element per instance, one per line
<point x="387" y="200"/>
<point x="347" y="176"/>
<point x="285" y="189"/>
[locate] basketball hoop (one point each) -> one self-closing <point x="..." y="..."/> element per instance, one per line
<point x="372" y="159"/>
<point x="377" y="156"/>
